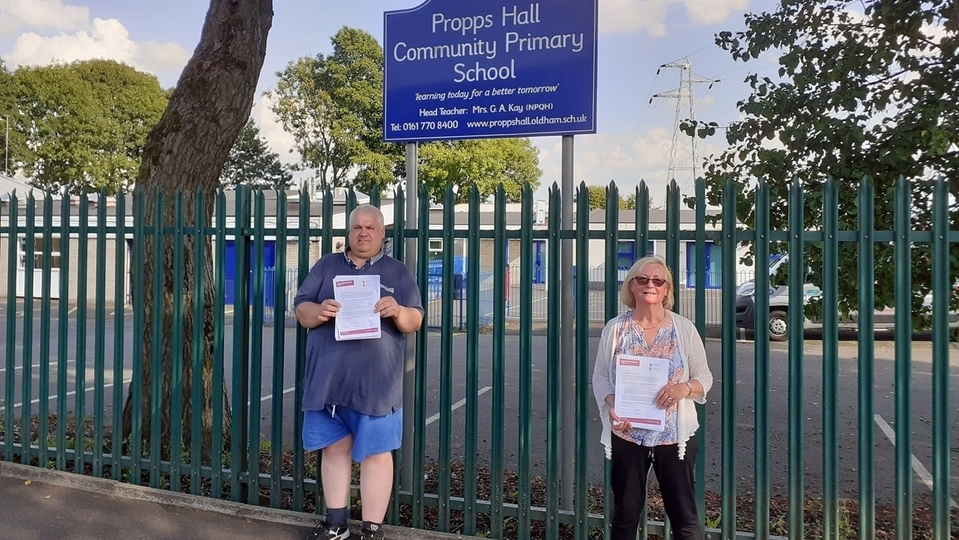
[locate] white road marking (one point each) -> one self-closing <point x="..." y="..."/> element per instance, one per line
<point x="53" y="363"/>
<point x="54" y="398"/>
<point x="917" y="466"/>
<point x="457" y="405"/>
<point x="269" y="397"/>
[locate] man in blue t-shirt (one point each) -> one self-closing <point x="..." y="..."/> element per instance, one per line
<point x="353" y="390"/>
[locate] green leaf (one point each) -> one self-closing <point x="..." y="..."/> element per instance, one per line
<point x="81" y="126"/>
<point x="856" y="94"/>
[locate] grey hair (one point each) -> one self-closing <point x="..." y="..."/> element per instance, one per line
<point x="368" y="209"/>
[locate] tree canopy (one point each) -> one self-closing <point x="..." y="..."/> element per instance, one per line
<point x="627" y="200"/>
<point x="333" y="107"/>
<point x="7" y="111"/>
<point x="251" y="162"/>
<point x="597" y="197"/>
<point x="863" y="89"/>
<point x="82" y="126"/>
<point x="484" y="163"/>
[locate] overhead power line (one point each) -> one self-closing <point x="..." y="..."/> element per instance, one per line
<point x="683" y="95"/>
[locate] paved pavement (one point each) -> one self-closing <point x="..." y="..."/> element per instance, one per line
<point x="41" y="504"/>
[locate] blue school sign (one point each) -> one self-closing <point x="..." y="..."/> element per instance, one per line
<point x="461" y="69"/>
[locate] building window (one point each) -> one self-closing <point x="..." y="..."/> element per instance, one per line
<point x="40" y="258"/>
<point x="436" y="248"/>
<point x="626" y="253"/>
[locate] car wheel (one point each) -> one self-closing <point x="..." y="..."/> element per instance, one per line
<point x="778" y="326"/>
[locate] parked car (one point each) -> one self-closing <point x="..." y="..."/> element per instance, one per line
<point x="778" y="317"/>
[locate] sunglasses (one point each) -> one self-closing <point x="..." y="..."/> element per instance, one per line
<point x="643" y="280"/>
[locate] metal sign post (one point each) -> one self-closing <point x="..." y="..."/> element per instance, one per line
<point x="567" y="359"/>
<point x="409" y="371"/>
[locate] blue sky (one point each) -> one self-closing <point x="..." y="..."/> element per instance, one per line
<point x="634" y="136"/>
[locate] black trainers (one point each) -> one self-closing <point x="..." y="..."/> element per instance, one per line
<point x="375" y="534"/>
<point x="325" y="531"/>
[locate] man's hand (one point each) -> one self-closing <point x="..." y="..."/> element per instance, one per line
<point x="407" y="319"/>
<point x="327" y="310"/>
<point x="311" y="314"/>
<point x="388" y="307"/>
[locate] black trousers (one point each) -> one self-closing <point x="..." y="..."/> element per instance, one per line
<point x="630" y="470"/>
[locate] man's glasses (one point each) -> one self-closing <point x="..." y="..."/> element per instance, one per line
<point x="643" y="280"/>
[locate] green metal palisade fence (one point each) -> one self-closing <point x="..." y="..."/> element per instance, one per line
<point x="61" y="265"/>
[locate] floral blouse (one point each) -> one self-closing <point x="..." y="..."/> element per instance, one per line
<point x="632" y="341"/>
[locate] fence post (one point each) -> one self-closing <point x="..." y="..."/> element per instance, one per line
<point x="941" y="288"/>
<point x="866" y="250"/>
<point x="554" y="365"/>
<point x="13" y="238"/>
<point x="903" y="362"/>
<point x="797" y="271"/>
<point x="761" y="348"/>
<point x="830" y="359"/>
<point x="239" y="460"/>
<point x="729" y="362"/>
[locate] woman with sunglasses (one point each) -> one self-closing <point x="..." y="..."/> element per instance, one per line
<point x="650" y="329"/>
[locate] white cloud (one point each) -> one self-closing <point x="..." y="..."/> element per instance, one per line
<point x="623" y="158"/>
<point x="280" y="141"/>
<point x="107" y="38"/>
<point x="624" y="16"/>
<point x="41" y="14"/>
<point x="167" y="55"/>
<point x="707" y="12"/>
<point x="600" y="158"/>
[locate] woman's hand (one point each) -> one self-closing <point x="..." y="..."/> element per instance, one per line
<point x="617" y="423"/>
<point x="671" y="394"/>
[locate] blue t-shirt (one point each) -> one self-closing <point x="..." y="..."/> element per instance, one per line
<point x="365" y="375"/>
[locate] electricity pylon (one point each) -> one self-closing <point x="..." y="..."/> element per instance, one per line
<point x="682" y="95"/>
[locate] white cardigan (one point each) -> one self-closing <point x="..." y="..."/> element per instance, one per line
<point x="691" y="350"/>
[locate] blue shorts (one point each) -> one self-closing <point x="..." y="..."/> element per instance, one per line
<point x="371" y="434"/>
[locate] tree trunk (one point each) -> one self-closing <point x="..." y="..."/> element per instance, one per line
<point x="185" y="153"/>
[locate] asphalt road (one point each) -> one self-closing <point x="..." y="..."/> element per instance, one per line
<point x="743" y="414"/>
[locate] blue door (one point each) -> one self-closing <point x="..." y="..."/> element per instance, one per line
<point x="713" y="264"/>
<point x="269" y="262"/>
<point x="626" y="255"/>
<point x="539" y="262"/>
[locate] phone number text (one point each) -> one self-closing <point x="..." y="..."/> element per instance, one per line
<point x="424" y="125"/>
